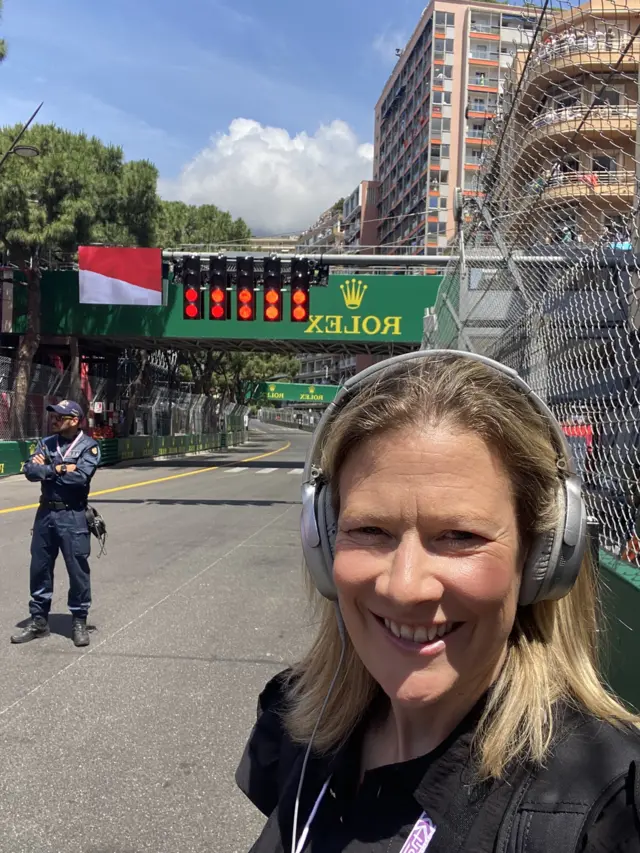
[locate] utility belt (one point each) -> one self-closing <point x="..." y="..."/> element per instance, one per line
<point x="80" y="507"/>
<point x="95" y="522"/>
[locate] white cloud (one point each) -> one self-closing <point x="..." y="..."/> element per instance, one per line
<point x="386" y="44"/>
<point x="278" y="183"/>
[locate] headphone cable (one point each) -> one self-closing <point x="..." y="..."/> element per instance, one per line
<point x="294" y="840"/>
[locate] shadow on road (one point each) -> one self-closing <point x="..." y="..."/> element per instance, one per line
<point x="59" y="623"/>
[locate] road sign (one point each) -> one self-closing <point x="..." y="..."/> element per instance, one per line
<point x="293" y="392"/>
<point x="363" y="310"/>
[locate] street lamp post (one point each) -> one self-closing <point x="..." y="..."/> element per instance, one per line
<point x="26" y="151"/>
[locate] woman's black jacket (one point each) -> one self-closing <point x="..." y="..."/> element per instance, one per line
<point x="586" y="799"/>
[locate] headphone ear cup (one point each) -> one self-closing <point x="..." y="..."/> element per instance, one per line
<point x="327" y="529"/>
<point x="555" y="557"/>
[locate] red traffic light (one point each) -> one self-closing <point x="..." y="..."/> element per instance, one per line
<point x="272" y="304"/>
<point x="193" y="296"/>
<point x="218" y="296"/>
<point x="299" y="305"/>
<point x="272" y="288"/>
<point x="245" y="290"/>
<point x="299" y="291"/>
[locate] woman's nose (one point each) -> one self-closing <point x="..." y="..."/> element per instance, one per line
<point x="412" y="575"/>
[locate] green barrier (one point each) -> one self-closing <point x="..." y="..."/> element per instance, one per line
<point x="109" y="452"/>
<point x="13" y="454"/>
<point x="620" y="600"/>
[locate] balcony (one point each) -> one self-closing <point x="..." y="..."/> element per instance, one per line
<point x="568" y="43"/>
<point x="483" y="84"/>
<point x="605" y="113"/>
<point x="481" y="57"/>
<point x="478" y="29"/>
<point x="578" y="123"/>
<point x="576" y="185"/>
<point x="555" y="62"/>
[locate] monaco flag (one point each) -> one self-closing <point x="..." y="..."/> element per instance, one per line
<point x="110" y="275"/>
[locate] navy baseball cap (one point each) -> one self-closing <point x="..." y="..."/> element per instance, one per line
<point x="67" y="408"/>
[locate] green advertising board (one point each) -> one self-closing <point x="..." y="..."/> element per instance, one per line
<point x="293" y="392"/>
<point x="360" y="309"/>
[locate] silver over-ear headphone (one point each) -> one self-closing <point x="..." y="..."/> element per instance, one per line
<point x="555" y="557"/>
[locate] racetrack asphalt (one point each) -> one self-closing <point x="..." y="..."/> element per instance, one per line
<point x="131" y="745"/>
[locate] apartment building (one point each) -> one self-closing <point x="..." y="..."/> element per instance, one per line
<point x="323" y="369"/>
<point x="326" y="233"/>
<point x="360" y="217"/>
<point x="431" y="119"/>
<point x="568" y="163"/>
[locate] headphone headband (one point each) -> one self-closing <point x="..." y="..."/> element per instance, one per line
<point x="361" y="379"/>
<point x="554" y="558"/>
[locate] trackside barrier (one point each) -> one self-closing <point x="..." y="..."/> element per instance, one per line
<point x="290" y="418"/>
<point x="13" y="454"/>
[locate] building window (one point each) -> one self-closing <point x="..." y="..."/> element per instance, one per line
<point x="443" y="203"/>
<point x="448" y="72"/>
<point x="433" y="201"/>
<point x="609" y="98"/>
<point x="443" y="46"/>
<point x="442" y="98"/>
<point x="604" y="163"/>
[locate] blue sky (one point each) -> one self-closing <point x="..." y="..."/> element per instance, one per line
<point x="166" y="79"/>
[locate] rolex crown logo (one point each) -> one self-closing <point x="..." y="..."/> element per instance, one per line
<point x="312" y="389"/>
<point x="353" y="290"/>
<point x="272" y="388"/>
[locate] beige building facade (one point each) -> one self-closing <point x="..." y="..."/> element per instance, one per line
<point x="431" y="120"/>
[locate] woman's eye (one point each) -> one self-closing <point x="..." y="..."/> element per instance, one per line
<point x="368" y="531"/>
<point x="458" y="536"/>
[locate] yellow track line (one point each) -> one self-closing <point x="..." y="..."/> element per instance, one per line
<point x="157" y="480"/>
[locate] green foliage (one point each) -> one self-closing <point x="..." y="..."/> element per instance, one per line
<point x="77" y="191"/>
<point x="235" y="376"/>
<point x="182" y="224"/>
<point x="240" y="375"/>
<point x="337" y="207"/>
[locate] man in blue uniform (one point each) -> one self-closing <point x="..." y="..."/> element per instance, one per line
<point x="64" y="464"/>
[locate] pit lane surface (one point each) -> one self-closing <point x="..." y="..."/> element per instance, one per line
<point x="132" y="745"/>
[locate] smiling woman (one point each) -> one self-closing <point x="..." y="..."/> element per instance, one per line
<point x="451" y="699"/>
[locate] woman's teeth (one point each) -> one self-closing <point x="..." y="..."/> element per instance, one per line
<point x="421" y="633"/>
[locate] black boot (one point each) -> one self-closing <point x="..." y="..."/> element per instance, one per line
<point x="36" y="627"/>
<point x="79" y="632"/>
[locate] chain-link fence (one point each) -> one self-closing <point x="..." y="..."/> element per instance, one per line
<point x="158" y="411"/>
<point x="547" y="278"/>
<point x="47" y="386"/>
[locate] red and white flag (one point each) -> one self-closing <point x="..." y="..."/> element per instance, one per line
<point x="120" y="276"/>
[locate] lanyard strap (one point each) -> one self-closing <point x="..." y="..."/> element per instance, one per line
<point x="305" y="832"/>
<point x="70" y="447"/>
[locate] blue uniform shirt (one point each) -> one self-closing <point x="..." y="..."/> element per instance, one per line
<point x="73" y="487"/>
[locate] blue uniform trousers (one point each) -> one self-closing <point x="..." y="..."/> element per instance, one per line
<point x="63" y="530"/>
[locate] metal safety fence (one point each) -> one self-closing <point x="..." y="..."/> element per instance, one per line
<point x="290" y="417"/>
<point x="159" y="411"/>
<point x="546" y="277"/>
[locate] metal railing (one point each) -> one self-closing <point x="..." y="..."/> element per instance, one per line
<point x="605" y="112"/>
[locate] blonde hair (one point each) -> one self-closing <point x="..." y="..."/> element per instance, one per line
<point x="553" y="648"/>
